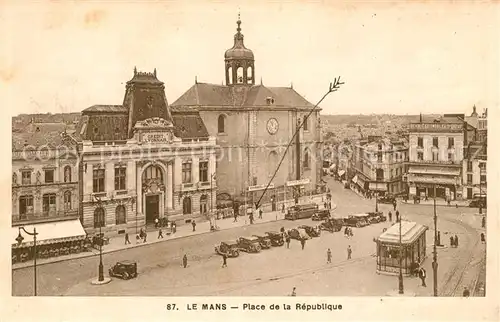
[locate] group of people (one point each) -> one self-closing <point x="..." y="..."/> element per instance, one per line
<point x="454" y="241"/>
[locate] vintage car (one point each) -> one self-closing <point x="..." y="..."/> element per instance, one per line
<point x="124" y="270"/>
<point x="376" y="217"/>
<point x="229" y="248"/>
<point x="264" y="241"/>
<point x="276" y="238"/>
<point x="311" y="231"/>
<point x="332" y="225"/>
<point x="358" y="220"/>
<point x="387" y="199"/>
<point x="249" y="244"/>
<point x="476" y="203"/>
<point x="298" y="233"/>
<point x="301" y="211"/>
<point x="321" y="215"/>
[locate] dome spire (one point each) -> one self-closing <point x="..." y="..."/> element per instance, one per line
<point x="239" y="24"/>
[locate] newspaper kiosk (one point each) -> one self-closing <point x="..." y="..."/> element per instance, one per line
<point x="413" y="243"/>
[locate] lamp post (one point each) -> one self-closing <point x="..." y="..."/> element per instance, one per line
<point x="101" y="267"/>
<point x="434" y="262"/>
<point x="19" y="240"/>
<point x="401" y="286"/>
<point x="376" y="202"/>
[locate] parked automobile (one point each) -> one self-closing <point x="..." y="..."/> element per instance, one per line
<point x="376" y="217"/>
<point x="264" y="241"/>
<point x="229" y="248"/>
<point x="311" y="231"/>
<point x="301" y="211"/>
<point x="476" y="203"/>
<point x="298" y="233"/>
<point x="124" y="270"/>
<point x="249" y="244"/>
<point x="276" y="238"/>
<point x="332" y="225"/>
<point x="387" y="199"/>
<point x="321" y="215"/>
<point x="358" y="220"/>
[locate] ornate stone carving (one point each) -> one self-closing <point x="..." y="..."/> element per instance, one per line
<point x="38" y="177"/>
<point x="14" y="178"/>
<point x="154" y="122"/>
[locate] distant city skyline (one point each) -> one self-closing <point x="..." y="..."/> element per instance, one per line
<point x="394" y="59"/>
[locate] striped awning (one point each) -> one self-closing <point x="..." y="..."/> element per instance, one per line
<point x="50" y="233"/>
<point x="341" y="172"/>
<point x="355" y="179"/>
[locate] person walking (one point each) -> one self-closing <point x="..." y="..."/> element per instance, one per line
<point x="397" y="216"/>
<point x="156" y="222"/>
<point x="283" y="208"/>
<point x="349" y="252"/>
<point x="260" y="213"/>
<point x="145" y="236"/>
<point x="160" y="233"/>
<point x="193" y="223"/>
<point x="390" y="216"/>
<point x="251" y="218"/>
<point x="174" y="227"/>
<point x="224" y="260"/>
<point x="293" y="292"/>
<point x="185" y="261"/>
<point x="287" y="238"/>
<point x="328" y="256"/>
<point x="466" y="292"/>
<point x="423" y="275"/>
<point x="483" y="222"/>
<point x="483" y="239"/>
<point x="303" y="243"/>
<point x="235" y="216"/>
<point x="394" y="204"/>
<point x="456" y="241"/>
<point x="127" y="240"/>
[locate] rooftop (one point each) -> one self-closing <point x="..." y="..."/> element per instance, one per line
<point x="410" y="231"/>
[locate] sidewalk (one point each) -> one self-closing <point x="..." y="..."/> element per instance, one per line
<point x="117" y="243"/>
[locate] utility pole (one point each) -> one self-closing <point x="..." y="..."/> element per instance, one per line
<point x="401" y="286"/>
<point x="434" y="262"/>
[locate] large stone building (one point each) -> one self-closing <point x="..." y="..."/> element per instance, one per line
<point x="435" y="156"/>
<point x="143" y="160"/>
<point x="474" y="170"/>
<point x="44" y="175"/>
<point x="380" y="165"/>
<point x="253" y="125"/>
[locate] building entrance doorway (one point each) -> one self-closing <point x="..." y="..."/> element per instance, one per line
<point x="152" y="208"/>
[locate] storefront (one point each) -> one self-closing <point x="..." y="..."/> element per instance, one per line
<point x="412" y="248"/>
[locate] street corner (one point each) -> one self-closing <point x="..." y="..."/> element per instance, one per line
<point x="96" y="281"/>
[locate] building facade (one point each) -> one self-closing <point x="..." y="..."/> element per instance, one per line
<point x="253" y="125"/>
<point x="435" y="157"/>
<point x="474" y="170"/>
<point x="143" y="160"/>
<point x="379" y="165"/>
<point x="44" y="175"/>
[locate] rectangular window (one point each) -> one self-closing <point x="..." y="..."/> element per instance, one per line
<point x="67" y="200"/>
<point x="451" y="143"/>
<point x="49" y="176"/>
<point x="186" y="172"/>
<point x="450" y="156"/>
<point x="420" y="156"/>
<point x="49" y="203"/>
<point x="26" y="177"/>
<point x="420" y="143"/>
<point x="469" y="179"/>
<point x="203" y="167"/>
<point x="483" y="178"/>
<point x="469" y="166"/>
<point x="25" y="205"/>
<point x="98" y="180"/>
<point x="379" y="157"/>
<point x="435" y="156"/>
<point x="435" y="142"/>
<point x="120" y="178"/>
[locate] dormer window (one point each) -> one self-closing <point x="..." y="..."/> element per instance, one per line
<point x="270" y="101"/>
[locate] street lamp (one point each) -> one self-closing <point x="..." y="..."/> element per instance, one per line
<point x="20" y="239"/>
<point x="401" y="286"/>
<point x="101" y="267"/>
<point x="376" y="202"/>
<point x="434" y="262"/>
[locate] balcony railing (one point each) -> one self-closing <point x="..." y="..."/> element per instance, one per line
<point x="41" y="217"/>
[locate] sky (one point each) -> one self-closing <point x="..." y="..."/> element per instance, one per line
<point x="417" y="57"/>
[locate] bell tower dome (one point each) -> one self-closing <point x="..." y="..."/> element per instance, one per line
<point x="239" y="61"/>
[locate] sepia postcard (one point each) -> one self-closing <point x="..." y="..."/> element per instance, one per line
<point x="277" y="160"/>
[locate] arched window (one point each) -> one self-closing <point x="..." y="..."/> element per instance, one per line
<point x="121" y="215"/>
<point x="306" y="124"/>
<point x="230" y="75"/>
<point x="249" y="75"/>
<point x="221" y="124"/>
<point x="99" y="218"/>
<point x="186" y="205"/>
<point x="307" y="159"/>
<point x="153" y="172"/>
<point x="67" y="200"/>
<point x="380" y="174"/>
<point x="67" y="173"/>
<point x="203" y="204"/>
<point x="239" y="75"/>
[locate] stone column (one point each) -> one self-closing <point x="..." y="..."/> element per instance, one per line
<point x="109" y="177"/>
<point x="139" y="188"/>
<point x="169" y="186"/>
<point x="195" y="169"/>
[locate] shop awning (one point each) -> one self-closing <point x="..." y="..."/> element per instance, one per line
<point x="437" y="181"/>
<point x="355" y="179"/>
<point x="434" y="170"/>
<point x="50" y="232"/>
<point x="377" y="186"/>
<point x="410" y="231"/>
<point x="341" y="172"/>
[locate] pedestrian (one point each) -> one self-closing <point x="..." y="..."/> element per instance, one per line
<point x="456" y="241"/>
<point x="283" y="208"/>
<point x="466" y="292"/>
<point x="448" y="201"/>
<point x="156" y="222"/>
<point x="251" y="219"/>
<point x="174" y="227"/>
<point x="397" y="216"/>
<point x="390" y="216"/>
<point x="193" y="223"/>
<point x="394" y="204"/>
<point x="439" y="238"/>
<point x="325" y="205"/>
<point x="185" y="261"/>
<point x="293" y="292"/>
<point x="287" y="238"/>
<point x="260" y="213"/>
<point x="224" y="260"/>
<point x="423" y="275"/>
<point x="483" y="240"/>
<point x="328" y="256"/>
<point x="452" y="241"/>
<point x="303" y="243"/>
<point x="346" y="232"/>
<point x="145" y="236"/>
<point x="160" y="233"/>
<point x="349" y="252"/>
<point x="127" y="240"/>
<point x="483" y="222"/>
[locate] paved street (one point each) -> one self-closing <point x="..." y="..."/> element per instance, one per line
<point x="273" y="272"/>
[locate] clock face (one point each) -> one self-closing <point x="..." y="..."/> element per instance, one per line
<point x="272" y="126"/>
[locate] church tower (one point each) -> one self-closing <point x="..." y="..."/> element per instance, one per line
<point x="239" y="62"/>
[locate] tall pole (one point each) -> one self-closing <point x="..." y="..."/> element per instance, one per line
<point x="401" y="286"/>
<point x="101" y="267"/>
<point x="434" y="262"/>
<point x="376" y="202"/>
<point x="34" y="258"/>
<point x="480" y="190"/>
<point x="211" y="195"/>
